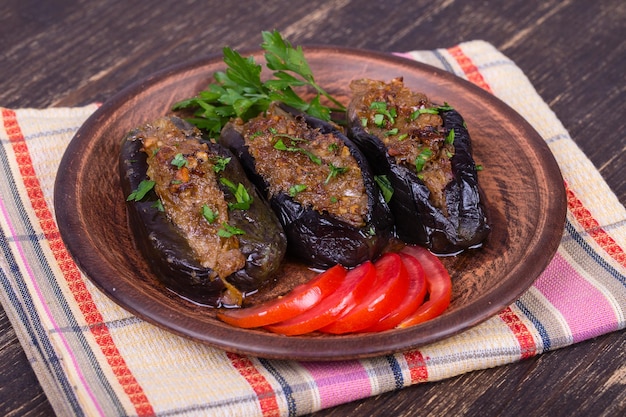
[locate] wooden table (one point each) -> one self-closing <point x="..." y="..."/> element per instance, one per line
<point x="67" y="53"/>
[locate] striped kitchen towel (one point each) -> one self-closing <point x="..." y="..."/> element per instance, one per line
<point x="94" y="358"/>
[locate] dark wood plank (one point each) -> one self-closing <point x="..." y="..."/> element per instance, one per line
<point x="20" y="392"/>
<point x="64" y="53"/>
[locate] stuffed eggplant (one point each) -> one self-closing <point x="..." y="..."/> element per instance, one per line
<point x="318" y="183"/>
<point x="425" y="154"/>
<point x="196" y="218"/>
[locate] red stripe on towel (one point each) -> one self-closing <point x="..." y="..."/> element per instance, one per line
<point x="586" y="220"/>
<point x="528" y="347"/>
<point x="69" y="269"/>
<point x="468" y="67"/>
<point x="417" y="366"/>
<point x="259" y="384"/>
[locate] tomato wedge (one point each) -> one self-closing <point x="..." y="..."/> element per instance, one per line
<point x="412" y="300"/>
<point x="388" y="290"/>
<point x="298" y="300"/>
<point x="355" y="286"/>
<point x="438" y="284"/>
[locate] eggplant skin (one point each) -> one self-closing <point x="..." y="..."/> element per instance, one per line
<point x="317" y="238"/>
<point x="169" y="254"/>
<point x="418" y="220"/>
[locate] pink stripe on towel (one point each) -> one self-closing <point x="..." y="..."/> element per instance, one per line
<point x="584" y="307"/>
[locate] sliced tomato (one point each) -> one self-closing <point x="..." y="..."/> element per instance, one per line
<point x="388" y="290"/>
<point x="357" y="283"/>
<point x="298" y="300"/>
<point x="438" y="284"/>
<point x="412" y="300"/>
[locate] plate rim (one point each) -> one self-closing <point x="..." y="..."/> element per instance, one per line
<point x="392" y="341"/>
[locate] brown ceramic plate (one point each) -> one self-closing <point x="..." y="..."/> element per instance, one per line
<point x="521" y="180"/>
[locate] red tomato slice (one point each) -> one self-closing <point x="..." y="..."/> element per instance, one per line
<point x="388" y="290"/>
<point x="357" y="283"/>
<point x="413" y="299"/>
<point x="438" y="283"/>
<point x="298" y="300"/>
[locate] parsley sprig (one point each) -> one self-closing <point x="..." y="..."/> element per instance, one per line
<point x="431" y="110"/>
<point x="240" y="92"/>
<point x="244" y="199"/>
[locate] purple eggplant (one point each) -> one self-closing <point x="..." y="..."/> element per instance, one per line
<point x="203" y="240"/>
<point x="318" y="183"/>
<point x="424" y="153"/>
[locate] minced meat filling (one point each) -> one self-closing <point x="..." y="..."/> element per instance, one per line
<point x="186" y="183"/>
<point x="316" y="169"/>
<point x="411" y="129"/>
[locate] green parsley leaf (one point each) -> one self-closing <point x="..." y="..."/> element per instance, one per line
<point x="280" y="145"/>
<point x="296" y="189"/>
<point x="228" y="231"/>
<point x="255" y="135"/>
<point x="142" y="189"/>
<point x="385" y="186"/>
<point x="240" y="92"/>
<point x="179" y="161"/>
<point x="334" y="171"/>
<point x="382" y="112"/>
<point x="243" y="198"/>
<point x="380" y="106"/>
<point x="450" y="137"/>
<point x="158" y="205"/>
<point x="209" y="214"/>
<point x="220" y="164"/>
<point x="422" y="158"/>
<point x="431" y="110"/>
<point x="282" y="56"/>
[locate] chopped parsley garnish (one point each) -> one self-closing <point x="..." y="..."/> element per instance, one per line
<point x="158" y="205"/>
<point x="255" y="135"/>
<point x="450" y="137"/>
<point x="382" y="112"/>
<point x="334" y="171"/>
<point x="142" y="189"/>
<point x="421" y="159"/>
<point x="431" y="110"/>
<point x="220" y="164"/>
<point x="244" y="199"/>
<point x="385" y="186"/>
<point x="179" y="161"/>
<point x="296" y="189"/>
<point x="209" y="214"/>
<point x="280" y="145"/>
<point x="228" y="231"/>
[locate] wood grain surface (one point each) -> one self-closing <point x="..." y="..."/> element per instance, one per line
<point x="66" y="53"/>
